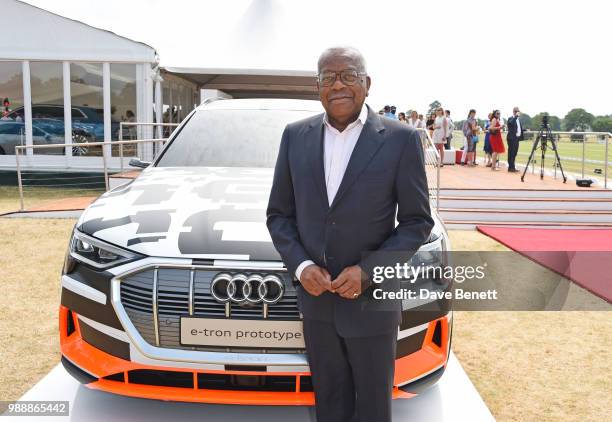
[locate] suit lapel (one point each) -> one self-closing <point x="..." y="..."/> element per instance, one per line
<point x="314" y="145"/>
<point x="369" y="141"/>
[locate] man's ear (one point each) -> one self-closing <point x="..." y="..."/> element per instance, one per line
<point x="368" y="83"/>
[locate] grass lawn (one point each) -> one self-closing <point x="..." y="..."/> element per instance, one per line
<point x="528" y="366"/>
<point x="570" y="153"/>
<point x="31" y="258"/>
<point x="545" y="366"/>
<point x="34" y="196"/>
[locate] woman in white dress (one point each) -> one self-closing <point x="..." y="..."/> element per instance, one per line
<point x="440" y="133"/>
<point x="414" y="121"/>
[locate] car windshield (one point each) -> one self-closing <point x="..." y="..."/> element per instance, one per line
<point x="230" y="138"/>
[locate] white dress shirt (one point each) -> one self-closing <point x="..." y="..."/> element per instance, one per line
<point x="518" y="127"/>
<point x="337" y="149"/>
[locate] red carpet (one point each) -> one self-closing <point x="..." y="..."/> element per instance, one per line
<point x="581" y="255"/>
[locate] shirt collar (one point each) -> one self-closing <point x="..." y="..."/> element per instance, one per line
<point x="363" y="116"/>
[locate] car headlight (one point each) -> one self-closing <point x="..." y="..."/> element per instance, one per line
<point x="432" y="257"/>
<point x="94" y="252"/>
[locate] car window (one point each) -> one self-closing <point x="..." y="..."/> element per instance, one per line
<point x="230" y="138"/>
<point x="47" y="112"/>
<point x="76" y="113"/>
<point x="37" y="132"/>
<point x="10" y="128"/>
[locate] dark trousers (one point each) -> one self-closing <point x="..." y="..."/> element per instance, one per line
<point x="513" y="146"/>
<point x="447" y="144"/>
<point x="352" y="377"/>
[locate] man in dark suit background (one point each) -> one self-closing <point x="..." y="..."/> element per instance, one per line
<point x="339" y="179"/>
<point x="515" y="134"/>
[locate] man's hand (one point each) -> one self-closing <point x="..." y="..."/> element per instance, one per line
<point x="351" y="282"/>
<point x="315" y="279"/>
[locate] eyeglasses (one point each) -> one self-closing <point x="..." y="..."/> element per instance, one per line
<point x="347" y="76"/>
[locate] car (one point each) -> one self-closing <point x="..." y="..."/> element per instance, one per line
<point x="44" y="131"/>
<point x="173" y="290"/>
<point x="89" y="119"/>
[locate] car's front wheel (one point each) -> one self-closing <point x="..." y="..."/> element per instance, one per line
<point x="80" y="138"/>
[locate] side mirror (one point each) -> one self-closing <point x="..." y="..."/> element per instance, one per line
<point x="135" y="162"/>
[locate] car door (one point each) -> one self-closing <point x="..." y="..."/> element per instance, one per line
<point x="11" y="134"/>
<point x="40" y="137"/>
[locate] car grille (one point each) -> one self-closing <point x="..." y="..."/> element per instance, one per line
<point x="172" y="300"/>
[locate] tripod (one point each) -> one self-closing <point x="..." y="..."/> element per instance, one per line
<point x="544" y="134"/>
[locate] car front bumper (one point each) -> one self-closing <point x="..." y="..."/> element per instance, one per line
<point x="102" y="348"/>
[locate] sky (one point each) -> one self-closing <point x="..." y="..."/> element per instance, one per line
<point x="539" y="55"/>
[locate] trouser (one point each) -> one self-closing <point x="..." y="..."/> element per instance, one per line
<point x="352" y="377"/>
<point x="447" y="145"/>
<point x="466" y="147"/>
<point x="513" y="146"/>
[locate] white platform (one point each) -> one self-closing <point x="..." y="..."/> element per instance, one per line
<point x="454" y="398"/>
<point x="449" y="155"/>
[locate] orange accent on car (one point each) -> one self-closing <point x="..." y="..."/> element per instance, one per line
<point x="101" y="364"/>
<point x="430" y="357"/>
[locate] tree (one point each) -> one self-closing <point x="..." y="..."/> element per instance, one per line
<point x="553" y="121"/>
<point x="433" y="106"/>
<point x="602" y="124"/>
<point x="578" y="119"/>
<point x="526" y="122"/>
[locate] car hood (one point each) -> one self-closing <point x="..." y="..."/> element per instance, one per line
<point x="187" y="212"/>
<point x="190" y="212"/>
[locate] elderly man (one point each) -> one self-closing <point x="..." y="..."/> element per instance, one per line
<point x="339" y="180"/>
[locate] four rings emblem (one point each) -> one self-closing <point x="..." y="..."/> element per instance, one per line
<point x="247" y="289"/>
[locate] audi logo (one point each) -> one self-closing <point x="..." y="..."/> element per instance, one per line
<point x="247" y="289"/>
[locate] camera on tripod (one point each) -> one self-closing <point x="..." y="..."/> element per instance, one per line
<point x="541" y="143"/>
<point x="544" y="130"/>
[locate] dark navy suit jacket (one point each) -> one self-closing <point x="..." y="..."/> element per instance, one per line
<point x="385" y="176"/>
<point x="512" y="128"/>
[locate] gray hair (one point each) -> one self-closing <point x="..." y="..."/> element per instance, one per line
<point x="345" y="51"/>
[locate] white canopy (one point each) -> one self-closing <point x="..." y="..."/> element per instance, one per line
<point x="31" y="33"/>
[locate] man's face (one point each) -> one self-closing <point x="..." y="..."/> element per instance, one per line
<point x="517" y="112"/>
<point x="340" y="101"/>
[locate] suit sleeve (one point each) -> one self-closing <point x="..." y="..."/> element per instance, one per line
<point x="281" y="216"/>
<point x="413" y="211"/>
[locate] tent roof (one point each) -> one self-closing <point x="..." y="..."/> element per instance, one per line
<point x="252" y="83"/>
<point x="38" y="34"/>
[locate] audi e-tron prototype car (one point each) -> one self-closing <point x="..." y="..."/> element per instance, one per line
<point x="172" y="289"/>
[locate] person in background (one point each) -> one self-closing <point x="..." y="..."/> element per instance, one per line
<point x="381" y="112"/>
<point x="468" y="132"/>
<point x="393" y="110"/>
<point x="515" y="134"/>
<point x="414" y="120"/>
<point x="402" y="117"/>
<point x="487" y="144"/>
<point x="131" y="129"/>
<point x="422" y="121"/>
<point x="429" y="124"/>
<point x="495" y="139"/>
<point x="388" y="112"/>
<point x="475" y="139"/>
<point x="451" y="127"/>
<point x="440" y="132"/>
